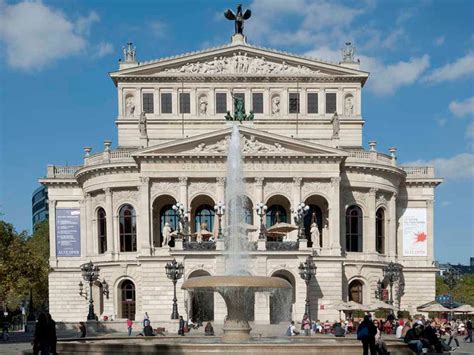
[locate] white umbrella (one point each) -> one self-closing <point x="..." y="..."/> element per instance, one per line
<point x="435" y="308"/>
<point x="282" y="227"/>
<point x="465" y="308"/>
<point x="381" y="305"/>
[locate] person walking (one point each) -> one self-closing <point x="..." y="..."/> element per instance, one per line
<point x="453" y="334"/>
<point x="129" y="326"/>
<point x="41" y="337"/>
<point x="52" y="338"/>
<point x="469" y="331"/>
<point x="306" y="325"/>
<point x="82" y="329"/>
<point x="366" y="334"/>
<point x="181" y="326"/>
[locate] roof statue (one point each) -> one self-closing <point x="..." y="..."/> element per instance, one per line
<point x="348" y="53"/>
<point x="129" y="53"/>
<point x="239" y="111"/>
<point x="238" y="17"/>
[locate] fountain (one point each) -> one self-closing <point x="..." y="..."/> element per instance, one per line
<point x="236" y="286"/>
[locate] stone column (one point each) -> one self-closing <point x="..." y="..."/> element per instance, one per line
<point x="92" y="244"/>
<point x="322" y="103"/>
<point x="183" y="191"/>
<point x="138" y="102"/>
<point x="391" y="233"/>
<point x="296" y="192"/>
<point x="220" y="197"/>
<point x="52" y="233"/>
<point x="368" y="232"/>
<point x="83" y="224"/>
<point x="430" y="230"/>
<point x="143" y="233"/>
<point x="258" y="196"/>
<point x="109" y="213"/>
<point x="121" y="106"/>
<point x="335" y="217"/>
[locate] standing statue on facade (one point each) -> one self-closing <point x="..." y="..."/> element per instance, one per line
<point x="142" y="125"/>
<point x="335" y="125"/>
<point x="203" y="105"/>
<point x="129" y="107"/>
<point x="129" y="53"/>
<point x="238" y="17"/>
<point x="275" y="105"/>
<point x="239" y="112"/>
<point x="348" y="53"/>
<point x="349" y="105"/>
<point x="166" y="234"/>
<point x="315" y="236"/>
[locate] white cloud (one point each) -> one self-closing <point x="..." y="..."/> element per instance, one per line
<point x="36" y="35"/>
<point x="104" y="48"/>
<point x="461" y="68"/>
<point x="458" y="167"/>
<point x="462" y="108"/>
<point x="385" y="79"/>
<point x="441" y="121"/>
<point x="470" y="131"/>
<point x="439" y="41"/>
<point x="158" y="28"/>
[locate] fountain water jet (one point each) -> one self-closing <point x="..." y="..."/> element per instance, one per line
<point x="236" y="286"/>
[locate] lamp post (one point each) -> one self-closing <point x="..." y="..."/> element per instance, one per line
<point x="307" y="271"/>
<point x="451" y="277"/>
<point x="181" y="213"/>
<point x="90" y="273"/>
<point x="261" y="211"/>
<point x="220" y="210"/>
<point x="392" y="272"/>
<point x="298" y="215"/>
<point x="174" y="271"/>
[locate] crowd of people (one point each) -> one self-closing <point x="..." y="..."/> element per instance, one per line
<point x="420" y="334"/>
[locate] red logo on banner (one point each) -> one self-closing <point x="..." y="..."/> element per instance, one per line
<point x="420" y="237"/>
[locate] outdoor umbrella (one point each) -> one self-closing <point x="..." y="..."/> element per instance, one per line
<point x="381" y="305"/>
<point x="282" y="227"/>
<point x="358" y="306"/>
<point x="465" y="308"/>
<point x="344" y="306"/>
<point x="435" y="308"/>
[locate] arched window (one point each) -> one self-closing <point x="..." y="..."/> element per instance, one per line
<point x="102" y="230"/>
<point x="354" y="229"/>
<point x="204" y="214"/>
<point x="355" y="291"/>
<point x="248" y="210"/>
<point x="128" y="300"/>
<point x="275" y="212"/>
<point x="128" y="229"/>
<point x="167" y="214"/>
<point x="380" y="231"/>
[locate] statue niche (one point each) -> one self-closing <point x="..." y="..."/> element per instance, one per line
<point x="203" y="105"/>
<point x="129" y="105"/>
<point x="276" y="105"/>
<point x="349" y="105"/>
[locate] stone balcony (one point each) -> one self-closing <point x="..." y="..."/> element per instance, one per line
<point x="419" y="171"/>
<point x="109" y="156"/>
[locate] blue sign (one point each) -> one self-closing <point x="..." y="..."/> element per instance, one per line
<point x="68" y="232"/>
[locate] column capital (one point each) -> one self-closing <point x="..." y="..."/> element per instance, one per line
<point x="183" y="180"/>
<point x="144" y="180"/>
<point x="335" y="181"/>
<point x="87" y="196"/>
<point x="108" y="191"/>
<point x="429" y="203"/>
<point x="372" y="191"/>
<point x="220" y="181"/>
<point x="297" y="181"/>
<point x="394" y="196"/>
<point x="259" y="180"/>
<point x="52" y="204"/>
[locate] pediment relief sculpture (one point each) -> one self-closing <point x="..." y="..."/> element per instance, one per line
<point x="241" y="64"/>
<point x="249" y="145"/>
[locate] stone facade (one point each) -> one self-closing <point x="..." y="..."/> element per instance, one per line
<point x="290" y="155"/>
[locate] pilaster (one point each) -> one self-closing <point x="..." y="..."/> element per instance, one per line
<point x="391" y="236"/>
<point x="92" y="245"/>
<point x="430" y="230"/>
<point x="83" y="223"/>
<point x="109" y="213"/>
<point x="144" y="243"/>
<point x="368" y="233"/>
<point x="52" y="233"/>
<point x="296" y="191"/>
<point x="335" y="217"/>
<point x="183" y="191"/>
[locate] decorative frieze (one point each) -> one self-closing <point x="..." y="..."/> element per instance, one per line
<point x="249" y="145"/>
<point x="164" y="187"/>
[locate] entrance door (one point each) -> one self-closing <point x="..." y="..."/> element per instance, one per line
<point x="128" y="300"/>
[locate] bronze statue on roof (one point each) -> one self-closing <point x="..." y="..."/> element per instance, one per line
<point x="238" y="17"/>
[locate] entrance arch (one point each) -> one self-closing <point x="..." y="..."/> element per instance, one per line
<point x="127" y="299"/>
<point x="282" y="300"/>
<point x="318" y="210"/>
<point x="201" y="303"/>
<point x="163" y="213"/>
<point x="356" y="291"/>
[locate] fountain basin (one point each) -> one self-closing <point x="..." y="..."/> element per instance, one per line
<point x="236" y="290"/>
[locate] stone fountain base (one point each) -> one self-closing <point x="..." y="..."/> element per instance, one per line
<point x="236" y="331"/>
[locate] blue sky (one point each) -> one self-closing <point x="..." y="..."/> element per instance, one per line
<point x="56" y="97"/>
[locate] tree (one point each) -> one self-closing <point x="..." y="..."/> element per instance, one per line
<point x="463" y="292"/>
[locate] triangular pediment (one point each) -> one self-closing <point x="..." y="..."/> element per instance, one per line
<point x="241" y="60"/>
<point x="253" y="142"/>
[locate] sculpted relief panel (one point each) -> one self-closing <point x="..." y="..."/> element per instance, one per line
<point x="248" y="144"/>
<point x="314" y="188"/>
<point x="164" y="188"/>
<point x="241" y="64"/>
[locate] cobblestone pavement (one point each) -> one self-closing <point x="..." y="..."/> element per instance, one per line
<point x="20" y="341"/>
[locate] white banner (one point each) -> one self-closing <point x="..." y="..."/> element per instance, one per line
<point x="415" y="235"/>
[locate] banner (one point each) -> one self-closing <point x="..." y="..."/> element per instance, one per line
<point x="415" y="235"/>
<point x="68" y="232"/>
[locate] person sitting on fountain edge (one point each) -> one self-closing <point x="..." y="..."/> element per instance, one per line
<point x="291" y="331"/>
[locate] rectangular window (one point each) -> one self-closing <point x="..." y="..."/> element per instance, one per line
<point x="148" y="103"/>
<point x="184" y="102"/>
<point x="294" y="102"/>
<point x="242" y="96"/>
<point x="331" y="102"/>
<point x="221" y="102"/>
<point x="312" y="102"/>
<point x="166" y="106"/>
<point x="257" y="102"/>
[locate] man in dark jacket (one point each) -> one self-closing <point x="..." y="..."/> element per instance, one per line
<point x="469" y="331"/>
<point x="366" y="334"/>
<point x="430" y="335"/>
<point x="414" y="338"/>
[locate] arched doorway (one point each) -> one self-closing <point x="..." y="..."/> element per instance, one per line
<point x="202" y="209"/>
<point x="318" y="210"/>
<point x="278" y="210"/>
<point x="356" y="290"/>
<point x="282" y="300"/>
<point x="201" y="303"/>
<point x="163" y="213"/>
<point x="127" y="300"/>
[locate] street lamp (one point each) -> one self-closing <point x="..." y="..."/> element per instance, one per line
<point x="180" y="213"/>
<point x="392" y="272"/>
<point x="174" y="271"/>
<point x="298" y="215"/>
<point x="307" y="271"/>
<point x="261" y="211"/>
<point x="90" y="273"/>
<point x="451" y="277"/>
<point x="220" y="210"/>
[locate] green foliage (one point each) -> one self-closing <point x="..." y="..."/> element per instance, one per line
<point x="463" y="292"/>
<point x="24" y="265"/>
